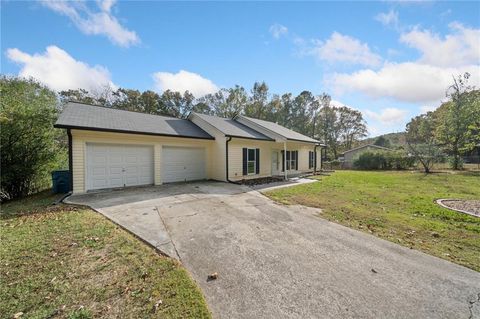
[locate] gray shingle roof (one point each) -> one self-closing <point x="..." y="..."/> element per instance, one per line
<point x="283" y="131"/>
<point x="84" y="116"/>
<point x="230" y="127"/>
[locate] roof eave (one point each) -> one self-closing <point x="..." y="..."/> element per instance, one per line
<point x="98" y="129"/>
<point x="251" y="138"/>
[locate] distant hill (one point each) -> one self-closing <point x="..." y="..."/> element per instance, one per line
<point x="396" y="140"/>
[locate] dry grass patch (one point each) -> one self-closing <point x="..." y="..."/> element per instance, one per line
<point x="68" y="262"/>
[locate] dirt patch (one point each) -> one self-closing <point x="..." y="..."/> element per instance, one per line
<point x="471" y="207"/>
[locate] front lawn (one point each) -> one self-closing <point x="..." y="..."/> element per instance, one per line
<point x="398" y="206"/>
<point x="69" y="262"/>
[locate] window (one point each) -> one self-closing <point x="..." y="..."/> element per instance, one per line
<point x="292" y="157"/>
<point x="251" y="161"/>
<point x="311" y="159"/>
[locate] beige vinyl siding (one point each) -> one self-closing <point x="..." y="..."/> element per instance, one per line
<point x="218" y="149"/>
<point x="80" y="138"/>
<point x="235" y="157"/>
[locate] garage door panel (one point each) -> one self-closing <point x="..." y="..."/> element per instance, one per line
<point x="111" y="166"/>
<point x="183" y="164"/>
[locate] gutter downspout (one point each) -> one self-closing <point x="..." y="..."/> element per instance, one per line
<point x="226" y="160"/>
<point x="70" y="158"/>
<point x="285" y="159"/>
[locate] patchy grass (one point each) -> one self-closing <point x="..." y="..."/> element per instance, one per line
<point x="399" y="206"/>
<point x="69" y="262"/>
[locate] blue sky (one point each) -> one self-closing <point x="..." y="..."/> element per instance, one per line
<point x="391" y="60"/>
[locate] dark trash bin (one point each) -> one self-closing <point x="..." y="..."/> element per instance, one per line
<point x="61" y="181"/>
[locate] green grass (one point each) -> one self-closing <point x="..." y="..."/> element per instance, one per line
<point x="69" y="262"/>
<point x="398" y="206"/>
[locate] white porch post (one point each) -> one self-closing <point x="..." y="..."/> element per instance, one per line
<point x="285" y="159"/>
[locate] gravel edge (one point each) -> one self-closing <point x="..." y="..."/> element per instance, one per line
<point x="440" y="202"/>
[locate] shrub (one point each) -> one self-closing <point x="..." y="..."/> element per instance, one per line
<point x="384" y="161"/>
<point x="29" y="143"/>
<point x="370" y="161"/>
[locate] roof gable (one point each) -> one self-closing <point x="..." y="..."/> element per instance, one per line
<point x="277" y="129"/>
<point x="232" y="128"/>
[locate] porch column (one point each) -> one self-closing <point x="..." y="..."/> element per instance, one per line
<point x="285" y="159"/>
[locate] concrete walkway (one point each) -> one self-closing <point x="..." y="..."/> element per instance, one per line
<point x="277" y="261"/>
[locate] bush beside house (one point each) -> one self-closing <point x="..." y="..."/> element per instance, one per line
<point x="31" y="148"/>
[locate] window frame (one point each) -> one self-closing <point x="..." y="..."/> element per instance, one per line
<point x="291" y="160"/>
<point x="254" y="161"/>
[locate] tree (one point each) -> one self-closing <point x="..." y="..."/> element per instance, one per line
<point x="339" y="127"/>
<point x="257" y="102"/>
<point x="421" y="142"/>
<point x="382" y="141"/>
<point x="351" y="125"/>
<point x="30" y="147"/>
<point x="177" y="104"/>
<point x="80" y="95"/>
<point x="458" y="120"/>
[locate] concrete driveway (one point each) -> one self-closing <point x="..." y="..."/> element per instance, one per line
<point x="277" y="261"/>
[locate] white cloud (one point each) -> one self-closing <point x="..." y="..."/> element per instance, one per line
<point x="389" y="18"/>
<point x="390" y="115"/>
<point x="422" y="81"/>
<point x="278" y="30"/>
<point x="184" y="81"/>
<point x="427" y="108"/>
<point x="101" y="22"/>
<point x="343" y="48"/>
<point x="410" y="81"/>
<point x="459" y="48"/>
<point x="60" y="71"/>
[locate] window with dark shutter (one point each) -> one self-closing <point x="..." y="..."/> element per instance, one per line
<point x="251" y="158"/>
<point x="311" y="159"/>
<point x="244" y="160"/>
<point x="283" y="161"/>
<point x="292" y="160"/>
<point x="296" y="160"/>
<point x="257" y="160"/>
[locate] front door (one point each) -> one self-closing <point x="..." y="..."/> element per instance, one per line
<point x="275" y="163"/>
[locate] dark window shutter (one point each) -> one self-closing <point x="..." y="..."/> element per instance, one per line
<point x="257" y="159"/>
<point x="296" y="160"/>
<point x="315" y="160"/>
<point x="283" y="161"/>
<point x="245" y="161"/>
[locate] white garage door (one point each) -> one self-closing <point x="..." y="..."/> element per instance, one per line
<point x="110" y="166"/>
<point x="181" y="164"/>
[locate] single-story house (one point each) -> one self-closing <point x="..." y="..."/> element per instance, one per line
<point x="110" y="148"/>
<point x="351" y="155"/>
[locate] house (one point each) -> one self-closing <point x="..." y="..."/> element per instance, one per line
<point x="351" y="155"/>
<point x="111" y="148"/>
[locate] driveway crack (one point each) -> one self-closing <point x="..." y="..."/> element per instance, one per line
<point x="186" y="215"/>
<point x="168" y="231"/>
<point x="471" y="304"/>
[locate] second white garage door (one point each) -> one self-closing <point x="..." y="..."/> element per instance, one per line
<point x="181" y="164"/>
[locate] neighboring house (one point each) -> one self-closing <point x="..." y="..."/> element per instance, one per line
<point x="111" y="148"/>
<point x="351" y="155"/>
